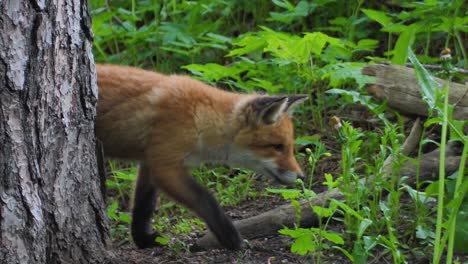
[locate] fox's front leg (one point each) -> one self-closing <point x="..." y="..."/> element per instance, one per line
<point x="144" y="204"/>
<point x="176" y="182"/>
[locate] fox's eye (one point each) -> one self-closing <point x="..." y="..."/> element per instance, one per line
<point x="278" y="147"/>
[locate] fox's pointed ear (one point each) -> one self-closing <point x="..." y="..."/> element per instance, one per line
<point x="293" y="102"/>
<point x="267" y="109"/>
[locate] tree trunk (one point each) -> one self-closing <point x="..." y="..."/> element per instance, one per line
<point x="51" y="204"/>
<point x="399" y="87"/>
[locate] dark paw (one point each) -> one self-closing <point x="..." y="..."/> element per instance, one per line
<point x="232" y="242"/>
<point x="146" y="240"/>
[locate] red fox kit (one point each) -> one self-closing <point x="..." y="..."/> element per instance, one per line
<point x="171" y="123"/>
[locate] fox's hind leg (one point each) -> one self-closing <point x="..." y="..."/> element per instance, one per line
<point x="176" y="182"/>
<point x="144" y="204"/>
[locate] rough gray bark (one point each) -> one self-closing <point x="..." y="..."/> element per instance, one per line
<point x="51" y="205"/>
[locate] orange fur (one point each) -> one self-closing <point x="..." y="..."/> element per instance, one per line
<point x="170" y="122"/>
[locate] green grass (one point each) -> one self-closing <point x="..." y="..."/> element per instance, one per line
<point x="316" y="48"/>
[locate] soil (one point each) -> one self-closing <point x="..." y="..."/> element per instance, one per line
<point x="270" y="249"/>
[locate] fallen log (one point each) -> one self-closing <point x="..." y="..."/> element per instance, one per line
<point x="268" y="223"/>
<point x="399" y="86"/>
<point x="429" y="164"/>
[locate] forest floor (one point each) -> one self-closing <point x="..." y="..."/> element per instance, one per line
<point x="270" y="249"/>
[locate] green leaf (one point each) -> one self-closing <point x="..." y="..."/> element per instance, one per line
<point x="214" y="72"/>
<point x="111" y="210"/>
<point x="379" y="16"/>
<point x="339" y="73"/>
<point x="432" y="189"/>
<point x="345" y="252"/>
<point x="286" y="193"/>
<point x="359" y="253"/>
<point x="369" y="242"/>
<point x="303" y="242"/>
<point x="284" y="4"/>
<point x="124" y="175"/>
<point x="265" y="84"/>
<point x="306" y="140"/>
<point x="367" y="44"/>
<point x="219" y="38"/>
<point x="163" y="240"/>
<point x="125" y="217"/>
<point x="249" y="43"/>
<point x="316" y="41"/>
<point x="330" y="182"/>
<point x="426" y="82"/>
<point x="323" y="211"/>
<point x="365" y="223"/>
<point x="424" y="233"/>
<point x="333" y="237"/>
<point x="404" y="42"/>
<point x="422" y="197"/>
<point x="456" y="129"/>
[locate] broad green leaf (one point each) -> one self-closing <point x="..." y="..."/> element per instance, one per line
<point x="357" y="98"/>
<point x="365" y="223"/>
<point x="265" y="84"/>
<point x="432" y="189"/>
<point x="432" y="121"/>
<point x="347" y="209"/>
<point x="285" y="46"/>
<point x="111" y="210"/>
<point x="330" y="182"/>
<point x="306" y="140"/>
<point x="404" y="42"/>
<point x="219" y="38"/>
<point x="303" y="242"/>
<point x="422" y="197"/>
<point x="302" y="9"/>
<point x="125" y="217"/>
<point x="339" y="73"/>
<point x="395" y="28"/>
<point x="367" y="44"/>
<point x="426" y="82"/>
<point x="345" y="252"/>
<point x="286" y="193"/>
<point x="213" y="71"/>
<point x="248" y="44"/>
<point x="423" y="232"/>
<point x="316" y="41"/>
<point x="303" y="245"/>
<point x="379" y="16"/>
<point x="284" y="4"/>
<point x="322" y="211"/>
<point x="163" y="240"/>
<point x="359" y="253"/>
<point x="456" y="130"/>
<point x="370" y="242"/>
<point x="308" y="193"/>
<point x="124" y="175"/>
<point x="333" y="237"/>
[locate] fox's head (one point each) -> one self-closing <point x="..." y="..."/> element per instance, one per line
<point x="265" y="140"/>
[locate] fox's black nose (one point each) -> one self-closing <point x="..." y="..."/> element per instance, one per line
<point x="300" y="176"/>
